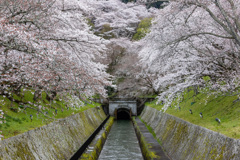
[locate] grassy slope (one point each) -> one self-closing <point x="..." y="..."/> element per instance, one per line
<point x="211" y="107"/>
<point x="18" y="120"/>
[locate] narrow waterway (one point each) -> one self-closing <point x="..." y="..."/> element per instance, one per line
<point x="121" y="143"/>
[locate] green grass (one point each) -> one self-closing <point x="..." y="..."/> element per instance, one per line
<point x="212" y="107"/>
<point x="18" y="119"/>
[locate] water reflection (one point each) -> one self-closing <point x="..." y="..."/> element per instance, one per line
<point x="121" y="143"/>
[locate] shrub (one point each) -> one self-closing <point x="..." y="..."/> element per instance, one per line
<point x="103" y="32"/>
<point x="143" y="29"/>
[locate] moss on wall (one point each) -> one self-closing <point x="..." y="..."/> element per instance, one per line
<point x="145" y="147"/>
<point x="99" y="145"/>
<point x="185" y="141"/>
<point x="57" y="140"/>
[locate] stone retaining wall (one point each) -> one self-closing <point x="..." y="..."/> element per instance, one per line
<point x="185" y="141"/>
<point x="56" y="141"/>
<point x="99" y="142"/>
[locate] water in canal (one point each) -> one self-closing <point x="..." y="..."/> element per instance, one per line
<point x="121" y="143"/>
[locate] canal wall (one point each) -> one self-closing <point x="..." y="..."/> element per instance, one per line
<point x="185" y="141"/>
<point x="98" y="142"/>
<point x="151" y="149"/>
<point x="57" y="140"/>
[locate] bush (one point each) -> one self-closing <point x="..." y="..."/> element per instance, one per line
<point x="126" y="1"/>
<point x="105" y="28"/>
<point x="90" y="23"/>
<point x="143" y="29"/>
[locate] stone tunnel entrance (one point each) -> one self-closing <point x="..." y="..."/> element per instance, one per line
<point x="122" y="109"/>
<point x="123" y="113"/>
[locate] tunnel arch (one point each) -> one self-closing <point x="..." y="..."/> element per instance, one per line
<point x="123" y="113"/>
<point x="113" y="105"/>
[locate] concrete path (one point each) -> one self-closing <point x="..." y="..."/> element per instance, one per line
<point x="156" y="148"/>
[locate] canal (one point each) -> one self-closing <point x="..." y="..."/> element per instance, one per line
<point x="121" y="143"/>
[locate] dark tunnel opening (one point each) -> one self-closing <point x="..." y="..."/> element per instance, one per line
<point x="123" y="114"/>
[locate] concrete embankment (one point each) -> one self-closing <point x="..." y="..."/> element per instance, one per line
<point x="57" y="140"/>
<point x="150" y="147"/>
<point x="94" y="149"/>
<point x="185" y="141"/>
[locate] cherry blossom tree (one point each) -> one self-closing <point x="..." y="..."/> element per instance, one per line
<point x="121" y="19"/>
<point x="47" y="45"/>
<point x="193" y="39"/>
